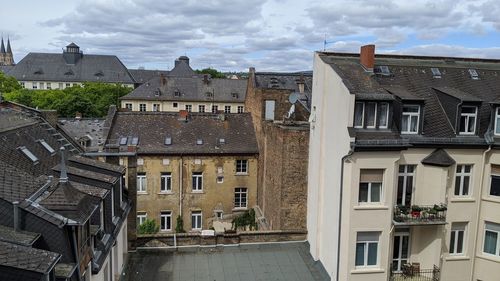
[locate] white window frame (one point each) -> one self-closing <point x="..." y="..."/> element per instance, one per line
<point x="227" y="109"/>
<point x="366" y="243"/>
<point x="362" y="115"/>
<point x="128" y="106"/>
<point x="142" y="184"/>
<point x="238" y="198"/>
<point x="198" y="217"/>
<point x="405" y="175"/>
<point x="166" y="187"/>
<point x="164" y="215"/>
<point x="141" y="217"/>
<point x="156" y="107"/>
<point x="409" y="115"/>
<point x="189" y="107"/>
<point x="494" y="228"/>
<point x="462" y="174"/>
<point x="374" y="117"/>
<point x="468" y="116"/>
<point x="241" y="109"/>
<point x="497" y="117"/>
<point x="369" y="198"/>
<point x="215" y="108"/>
<point x="201" y="108"/>
<point x="198" y="187"/>
<point x="386" y="117"/>
<point x="240" y="168"/>
<point x="456" y="229"/>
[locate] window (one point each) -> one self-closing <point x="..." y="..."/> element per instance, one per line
<point x="177" y="93"/>
<point x="123" y="140"/>
<point x="47" y="147"/>
<point x="240" y="109"/>
<point x="371" y="115"/>
<point x="367" y="249"/>
<point x="473" y="74"/>
<point x="68" y="85"/>
<point x="166" y="182"/>
<point x="383" y="118"/>
<point x="29" y="154"/>
<point x="141" y="183"/>
<point x="370" y="186"/>
<point x="199" y="141"/>
<point x="468" y="118"/>
<point x="197" y="178"/>
<point x="35" y="85"/>
<point x="165" y="220"/>
<point x="227" y="109"/>
<point x="156" y="107"/>
<point x="405" y="184"/>
<point x="22" y="84"/>
<point x="168" y="141"/>
<point x="269" y="110"/>
<point x="201" y="108"/>
<point x="219" y="214"/>
<point x="435" y="72"/>
<point x="410" y="120"/>
<point x="61" y="86"/>
<point x="175" y="105"/>
<point x="141" y="217"/>
<point x="240" y="197"/>
<point x="128" y="106"/>
<point x="497" y="121"/>
<point x="457" y="236"/>
<point x="215" y="108"/>
<point x="42" y="85"/>
<point x="196" y="220"/>
<point x="220" y="179"/>
<point x="462" y="180"/>
<point x="49" y="86"/>
<point x="189" y="108"/>
<point x="492" y="239"/>
<point x="142" y="107"/>
<point x="135" y="141"/>
<point x="495" y="186"/>
<point x="359" y="110"/>
<point x="241" y="166"/>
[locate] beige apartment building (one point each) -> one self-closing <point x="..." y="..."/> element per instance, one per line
<point x="404" y="168"/>
<point x="200" y="166"/>
<point x="183" y="89"/>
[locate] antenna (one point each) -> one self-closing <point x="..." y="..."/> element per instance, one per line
<point x="326" y="43"/>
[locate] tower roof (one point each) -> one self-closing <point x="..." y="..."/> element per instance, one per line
<point x="9" y="50"/>
<point x="2" y="48"/>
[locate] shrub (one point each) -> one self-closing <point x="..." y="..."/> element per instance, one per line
<point x="149" y="226"/>
<point x="179" y="227"/>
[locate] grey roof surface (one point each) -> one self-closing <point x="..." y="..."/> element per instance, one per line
<point x="84" y="129"/>
<point x="411" y="79"/>
<point x="143" y="75"/>
<point x="20" y="237"/>
<point x="153" y="127"/>
<point x="11" y="119"/>
<point x="53" y="67"/>
<point x="98" y="164"/>
<point x="290" y="262"/>
<point x="283" y="80"/>
<point x="439" y="157"/>
<point x="6" y="68"/>
<point x="27" y="258"/>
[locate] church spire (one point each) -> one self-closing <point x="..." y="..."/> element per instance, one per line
<point x="2" y="48"/>
<point x="9" y="50"/>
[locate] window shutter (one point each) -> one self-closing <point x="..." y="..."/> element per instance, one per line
<point x="372" y="175"/>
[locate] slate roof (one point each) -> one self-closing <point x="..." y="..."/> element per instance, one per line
<point x="27" y="258"/>
<point x="283" y="80"/>
<point x="53" y="67"/>
<point x="439" y="157"/>
<point x="98" y="164"/>
<point x="411" y="79"/>
<point x="141" y="76"/>
<point x="153" y="127"/>
<point x="84" y="129"/>
<point x="6" y="68"/>
<point x="20" y="237"/>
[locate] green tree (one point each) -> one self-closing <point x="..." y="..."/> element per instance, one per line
<point x="179" y="227"/>
<point x="8" y="84"/>
<point x="149" y="226"/>
<point x="213" y="72"/>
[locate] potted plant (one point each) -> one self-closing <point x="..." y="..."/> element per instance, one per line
<point x="415" y="211"/>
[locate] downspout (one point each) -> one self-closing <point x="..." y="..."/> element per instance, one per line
<point x="75" y="252"/>
<point x="479" y="208"/>
<point x="180" y="188"/>
<point x="351" y="151"/>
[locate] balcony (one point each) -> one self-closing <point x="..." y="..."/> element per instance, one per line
<point x="420" y="215"/>
<point x="412" y="272"/>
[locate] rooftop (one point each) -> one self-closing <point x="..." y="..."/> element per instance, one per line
<point x="27" y="258"/>
<point x="87" y="130"/>
<point x="20" y="237"/>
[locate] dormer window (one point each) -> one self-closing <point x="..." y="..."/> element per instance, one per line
<point x="177" y="93"/>
<point x="468" y="118"/>
<point x="473" y="74"/>
<point x="410" y="119"/>
<point x="435" y="72"/>
<point x="371" y="115"/>
<point x="497" y="121"/>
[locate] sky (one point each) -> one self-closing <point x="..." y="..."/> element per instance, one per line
<point x="233" y="35"/>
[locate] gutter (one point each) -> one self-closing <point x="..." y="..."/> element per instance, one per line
<point x="351" y="151"/>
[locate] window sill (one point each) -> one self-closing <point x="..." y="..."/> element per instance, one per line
<point x="462" y="199"/>
<point x="165" y="231"/>
<point x="142" y="193"/>
<point x="241" y="174"/>
<point x="239" y="209"/>
<point x="489" y="257"/>
<point x="165" y="193"/>
<point x="197" y="191"/>
<point x="491" y="198"/>
<point x="457" y="258"/>
<point x="371" y="207"/>
<point x="367" y="270"/>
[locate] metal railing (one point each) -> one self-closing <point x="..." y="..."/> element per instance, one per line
<point x="420" y="214"/>
<point x="412" y="272"/>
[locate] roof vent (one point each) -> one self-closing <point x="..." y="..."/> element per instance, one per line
<point x="234" y="95"/>
<point x="435" y="72"/>
<point x="473" y="74"/>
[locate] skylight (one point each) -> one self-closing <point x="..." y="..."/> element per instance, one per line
<point x="47" y="146"/>
<point x="123" y="141"/>
<point x="199" y="141"/>
<point x="222" y="141"/>
<point x="473" y="74"/>
<point x="168" y="141"/>
<point x="135" y="140"/>
<point x="435" y="72"/>
<point x="28" y="154"/>
<point x="383" y="70"/>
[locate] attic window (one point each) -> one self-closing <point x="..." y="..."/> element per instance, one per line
<point x="157" y="92"/>
<point x="168" y="141"/>
<point x="199" y="142"/>
<point x="123" y="141"/>
<point x="99" y="73"/>
<point x="28" y="154"/>
<point x="382" y="70"/>
<point x="39" y="71"/>
<point x="209" y="94"/>
<point x="222" y="141"/>
<point x="135" y="141"/>
<point x="473" y="74"/>
<point x="47" y="146"/>
<point x="435" y="72"/>
<point x="177" y="93"/>
<point x="69" y="72"/>
<point x="234" y="95"/>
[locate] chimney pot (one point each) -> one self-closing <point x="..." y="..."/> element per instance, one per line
<point x="183" y="115"/>
<point x="367" y="57"/>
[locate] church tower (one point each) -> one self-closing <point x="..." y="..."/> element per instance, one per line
<point x="6" y="56"/>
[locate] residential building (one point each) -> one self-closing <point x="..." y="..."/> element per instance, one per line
<point x="282" y="131"/>
<point x="142" y="75"/>
<point x="403" y="167"/>
<point x="182" y="89"/>
<point x="6" y="56"/>
<point x="45" y="71"/>
<point x="200" y="166"/>
<point x="63" y="215"/>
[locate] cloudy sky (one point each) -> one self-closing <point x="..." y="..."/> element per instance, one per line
<point x="232" y="35"/>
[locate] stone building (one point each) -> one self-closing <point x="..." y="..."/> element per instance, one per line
<point x="200" y="166"/>
<point x="183" y="89"/>
<point x="6" y="56"/>
<point x="283" y="145"/>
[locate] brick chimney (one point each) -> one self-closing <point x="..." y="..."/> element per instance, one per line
<point x="205" y="79"/>
<point x="183" y="115"/>
<point x="367" y="57"/>
<point x="163" y="79"/>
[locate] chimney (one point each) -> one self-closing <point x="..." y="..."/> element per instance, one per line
<point x="367" y="57"/>
<point x="64" y="175"/>
<point x="205" y="79"/>
<point x="15" y="204"/>
<point x="163" y="80"/>
<point x="183" y="115"/>
<point x="301" y="83"/>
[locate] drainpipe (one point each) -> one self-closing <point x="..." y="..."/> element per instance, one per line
<point x="479" y="209"/>
<point x="180" y="188"/>
<point x="75" y="252"/>
<point x="16" y="215"/>
<point x="351" y="151"/>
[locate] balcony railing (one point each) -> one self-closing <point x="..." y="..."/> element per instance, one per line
<point x="419" y="214"/>
<point x="410" y="272"/>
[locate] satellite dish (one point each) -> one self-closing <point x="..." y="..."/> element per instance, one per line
<point x="293" y="97"/>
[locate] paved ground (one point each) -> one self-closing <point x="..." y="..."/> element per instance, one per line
<point x="234" y="263"/>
